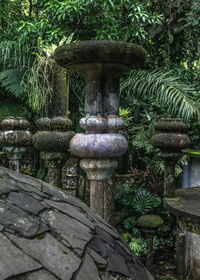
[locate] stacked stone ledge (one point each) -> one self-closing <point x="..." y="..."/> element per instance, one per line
<point x="52" y="140"/>
<point x="46" y="235"/>
<point x="15" y="138"/>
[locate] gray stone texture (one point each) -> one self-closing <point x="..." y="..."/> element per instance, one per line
<point x="193" y="254"/>
<point x="45" y="234"/>
<point x="185" y="205"/>
<point x="13" y="261"/>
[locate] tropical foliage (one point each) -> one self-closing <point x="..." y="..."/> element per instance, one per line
<point x="168" y="86"/>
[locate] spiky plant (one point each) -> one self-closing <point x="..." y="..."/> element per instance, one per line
<point x="15" y="54"/>
<point x="38" y="78"/>
<point x="165" y="88"/>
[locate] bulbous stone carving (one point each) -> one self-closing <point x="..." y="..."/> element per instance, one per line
<point x="101" y="63"/>
<point x="99" y="146"/>
<point x="52" y="140"/>
<point x="14" y="138"/>
<point x="53" y="134"/>
<point x="170" y="137"/>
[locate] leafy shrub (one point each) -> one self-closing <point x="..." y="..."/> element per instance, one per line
<point x="13" y="108"/>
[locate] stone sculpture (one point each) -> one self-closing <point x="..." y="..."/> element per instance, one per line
<point x="14" y="138"/>
<point x="170" y="138"/>
<point x="183" y="203"/>
<point x="149" y="225"/>
<point x="46" y="235"/>
<point x="52" y="140"/>
<point x="101" y="63"/>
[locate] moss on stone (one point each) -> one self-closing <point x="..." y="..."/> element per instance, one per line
<point x="172" y="198"/>
<point x="100" y="51"/>
<point x="192" y="153"/>
<point x="150" y="221"/>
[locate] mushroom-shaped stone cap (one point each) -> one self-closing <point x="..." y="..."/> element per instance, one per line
<point x="47" y="235"/>
<point x="150" y="221"/>
<point x="171" y="124"/>
<point x="114" y="52"/>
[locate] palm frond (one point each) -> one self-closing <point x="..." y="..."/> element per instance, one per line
<point x="166" y="89"/>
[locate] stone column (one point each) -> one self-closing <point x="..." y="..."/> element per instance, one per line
<point x="149" y="225"/>
<point x="170" y="138"/>
<point x="70" y="176"/>
<point x="101" y="63"/>
<point x="57" y="103"/>
<point x="52" y="140"/>
<point x="14" y="138"/>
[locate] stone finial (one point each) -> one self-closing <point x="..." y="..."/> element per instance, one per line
<point x="101" y="63"/>
<point x="14" y="138"/>
<point x="170" y="137"/>
<point x="149" y="225"/>
<point x="52" y="140"/>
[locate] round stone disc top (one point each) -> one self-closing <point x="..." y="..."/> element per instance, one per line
<point x="115" y="52"/>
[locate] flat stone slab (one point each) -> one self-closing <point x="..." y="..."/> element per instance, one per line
<point x="13" y="261"/>
<point x="45" y="234"/>
<point x="53" y="255"/>
<point x="26" y="202"/>
<point x="39" y="274"/>
<point x="185" y="204"/>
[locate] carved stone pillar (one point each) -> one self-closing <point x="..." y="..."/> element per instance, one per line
<point x="52" y="140"/>
<point x="14" y="138"/>
<point x="170" y="138"/>
<point x="70" y="176"/>
<point x="101" y="63"/>
<point x="149" y="225"/>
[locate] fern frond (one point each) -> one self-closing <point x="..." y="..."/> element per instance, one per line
<point x="166" y="89"/>
<point x="11" y="80"/>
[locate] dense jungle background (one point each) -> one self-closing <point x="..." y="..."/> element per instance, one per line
<point x="168" y="86"/>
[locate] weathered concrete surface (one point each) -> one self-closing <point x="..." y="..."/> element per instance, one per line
<point x="191" y="174"/>
<point x="186" y="206"/>
<point x="44" y="234"/>
<point x="101" y="63"/>
<point x="100" y="51"/>
<point x="170" y="138"/>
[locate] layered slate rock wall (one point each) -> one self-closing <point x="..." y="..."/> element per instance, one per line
<point x="44" y="234"/>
